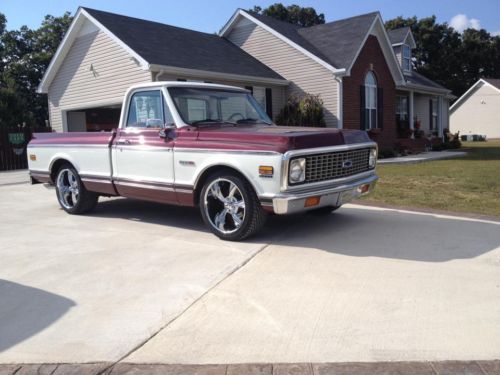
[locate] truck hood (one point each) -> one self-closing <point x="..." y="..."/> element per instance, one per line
<point x="277" y="138"/>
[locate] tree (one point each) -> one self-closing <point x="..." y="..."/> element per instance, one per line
<point x="24" y="56"/>
<point x="297" y="15"/>
<point x="454" y="60"/>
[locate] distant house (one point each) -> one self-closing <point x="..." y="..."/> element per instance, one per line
<point x="362" y="73"/>
<point x="478" y="110"/>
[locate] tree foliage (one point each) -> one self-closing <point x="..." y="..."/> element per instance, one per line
<point x="301" y="16"/>
<point x="305" y="110"/>
<point x="455" y="60"/>
<point x="24" y="56"/>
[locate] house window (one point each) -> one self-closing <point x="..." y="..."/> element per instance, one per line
<point x="406" y="61"/>
<point x="370" y="101"/>
<point x="401" y="108"/>
<point x="434" y="111"/>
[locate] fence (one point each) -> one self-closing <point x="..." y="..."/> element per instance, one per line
<point x="13" y="142"/>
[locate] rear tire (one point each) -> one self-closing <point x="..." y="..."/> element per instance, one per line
<point x="71" y="193"/>
<point x="230" y="208"/>
<point x="323" y="211"/>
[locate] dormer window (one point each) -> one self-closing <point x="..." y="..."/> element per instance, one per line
<point x="406" y="58"/>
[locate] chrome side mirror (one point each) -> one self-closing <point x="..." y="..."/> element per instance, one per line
<point x="166" y="131"/>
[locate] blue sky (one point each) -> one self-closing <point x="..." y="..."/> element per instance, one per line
<point x="210" y="15"/>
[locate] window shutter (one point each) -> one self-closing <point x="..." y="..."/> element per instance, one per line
<point x="380" y="107"/>
<point x="249" y="88"/>
<point x="362" y="105"/>
<point x="269" y="102"/>
<point x="430" y="115"/>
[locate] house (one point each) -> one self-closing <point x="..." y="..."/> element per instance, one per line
<point x="478" y="110"/>
<point x="362" y="73"/>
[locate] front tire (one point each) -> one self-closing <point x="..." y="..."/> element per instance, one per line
<point x="230" y="208"/>
<point x="71" y="194"/>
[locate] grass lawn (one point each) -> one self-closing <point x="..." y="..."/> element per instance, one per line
<point x="467" y="184"/>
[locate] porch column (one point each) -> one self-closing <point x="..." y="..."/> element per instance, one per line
<point x="410" y="114"/>
<point x="440" y="116"/>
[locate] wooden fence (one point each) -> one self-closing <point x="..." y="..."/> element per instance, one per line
<point x="13" y="142"/>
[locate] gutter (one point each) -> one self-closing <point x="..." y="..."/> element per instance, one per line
<point x="195" y="73"/>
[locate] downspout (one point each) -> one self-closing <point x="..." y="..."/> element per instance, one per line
<point x="340" y="97"/>
<point x="158" y="74"/>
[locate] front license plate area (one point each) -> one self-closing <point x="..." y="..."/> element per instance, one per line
<point x="346" y="196"/>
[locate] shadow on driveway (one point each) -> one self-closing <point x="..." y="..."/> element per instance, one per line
<point x="349" y="231"/>
<point x="24" y="311"/>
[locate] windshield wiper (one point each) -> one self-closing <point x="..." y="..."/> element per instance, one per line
<point x="210" y="120"/>
<point x="251" y="120"/>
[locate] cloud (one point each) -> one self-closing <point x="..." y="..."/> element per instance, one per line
<point x="496" y="33"/>
<point x="460" y="22"/>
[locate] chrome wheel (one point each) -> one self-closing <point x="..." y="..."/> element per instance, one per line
<point x="224" y="205"/>
<point x="68" y="188"/>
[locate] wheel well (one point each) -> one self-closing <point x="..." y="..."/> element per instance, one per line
<point x="56" y="166"/>
<point x="210" y="171"/>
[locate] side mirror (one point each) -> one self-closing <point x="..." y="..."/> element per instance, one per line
<point x="166" y="131"/>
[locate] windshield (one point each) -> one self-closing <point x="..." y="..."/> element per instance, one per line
<point x="205" y="105"/>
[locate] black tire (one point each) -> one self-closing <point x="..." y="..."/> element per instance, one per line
<point x="80" y="203"/>
<point x="323" y="211"/>
<point x="251" y="221"/>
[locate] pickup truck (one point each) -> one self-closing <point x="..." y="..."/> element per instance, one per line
<point x="211" y="146"/>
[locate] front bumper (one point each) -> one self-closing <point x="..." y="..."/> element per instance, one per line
<point x="293" y="202"/>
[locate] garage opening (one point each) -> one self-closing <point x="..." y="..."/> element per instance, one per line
<point x="94" y="119"/>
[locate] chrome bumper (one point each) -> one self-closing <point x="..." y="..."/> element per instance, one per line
<point x="287" y="203"/>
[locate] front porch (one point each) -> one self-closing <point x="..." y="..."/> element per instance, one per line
<point x="421" y="120"/>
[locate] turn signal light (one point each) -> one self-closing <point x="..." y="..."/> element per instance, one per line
<point x="266" y="171"/>
<point x="364" y="188"/>
<point x="312" y="201"/>
<point x="32" y="157"/>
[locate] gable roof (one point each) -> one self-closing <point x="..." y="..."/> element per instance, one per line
<point x="400" y="35"/>
<point x="491" y="82"/>
<point x="155" y="44"/>
<point x="340" y="40"/>
<point x="335" y="45"/>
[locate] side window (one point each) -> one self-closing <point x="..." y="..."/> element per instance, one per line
<point x="146" y="110"/>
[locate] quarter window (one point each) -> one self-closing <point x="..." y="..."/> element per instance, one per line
<point x="370" y="101"/>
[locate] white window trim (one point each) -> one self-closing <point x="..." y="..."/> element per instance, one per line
<point x="406" y="58"/>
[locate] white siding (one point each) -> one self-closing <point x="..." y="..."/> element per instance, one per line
<point x="306" y="75"/>
<point x="75" y="86"/>
<point x="478" y="114"/>
<point x="278" y="92"/>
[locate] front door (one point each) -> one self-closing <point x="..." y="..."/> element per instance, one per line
<point x="142" y="160"/>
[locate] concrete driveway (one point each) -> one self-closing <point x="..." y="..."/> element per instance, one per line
<point x="144" y="283"/>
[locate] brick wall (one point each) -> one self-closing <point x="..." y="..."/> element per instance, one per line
<point x="371" y="58"/>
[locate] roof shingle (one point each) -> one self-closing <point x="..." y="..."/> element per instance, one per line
<point x="166" y="45"/>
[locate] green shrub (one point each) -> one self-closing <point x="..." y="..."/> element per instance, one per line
<point x="302" y="111"/>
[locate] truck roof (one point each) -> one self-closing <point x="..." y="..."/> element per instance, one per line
<point x="183" y="84"/>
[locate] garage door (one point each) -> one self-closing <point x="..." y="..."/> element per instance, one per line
<point x="94" y="119"/>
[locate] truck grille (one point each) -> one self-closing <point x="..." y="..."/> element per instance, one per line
<point x="332" y="165"/>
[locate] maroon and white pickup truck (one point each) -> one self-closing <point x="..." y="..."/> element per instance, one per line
<point x="210" y="146"/>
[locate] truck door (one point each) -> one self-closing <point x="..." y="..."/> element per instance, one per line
<point x="142" y="160"/>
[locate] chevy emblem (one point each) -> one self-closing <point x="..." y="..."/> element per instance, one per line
<point x="347" y="164"/>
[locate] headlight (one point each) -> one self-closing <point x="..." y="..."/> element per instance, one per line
<point x="297" y="170"/>
<point x="373" y="158"/>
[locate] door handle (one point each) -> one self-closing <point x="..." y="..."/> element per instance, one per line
<point x="123" y="142"/>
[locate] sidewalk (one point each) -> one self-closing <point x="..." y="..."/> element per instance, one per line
<point x="426" y="156"/>
<point x="14" y="177"/>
